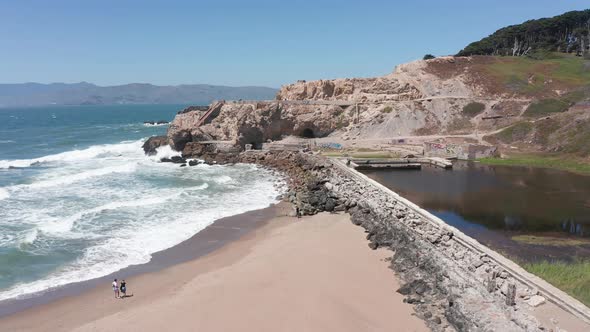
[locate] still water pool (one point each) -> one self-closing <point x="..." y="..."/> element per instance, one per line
<point x="531" y="213"/>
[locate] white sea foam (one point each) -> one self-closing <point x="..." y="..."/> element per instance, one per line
<point x="30" y="236"/>
<point x="4" y="194"/>
<point x="165" y="151"/>
<point x="223" y="179"/>
<point x="156" y="124"/>
<point x="71" y="178"/>
<point x="60" y="227"/>
<point x="148" y="232"/>
<point x="74" y="155"/>
<point x="113" y="207"/>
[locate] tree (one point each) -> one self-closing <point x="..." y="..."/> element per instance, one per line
<point x="428" y="57"/>
<point x="569" y="32"/>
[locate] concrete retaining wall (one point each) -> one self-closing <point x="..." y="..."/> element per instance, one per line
<point x="475" y="281"/>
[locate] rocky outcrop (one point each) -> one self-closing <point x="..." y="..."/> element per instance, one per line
<point x="256" y="122"/>
<point x="194" y="108"/>
<point x="357" y="89"/>
<point x="416" y="99"/>
<point x="154" y="142"/>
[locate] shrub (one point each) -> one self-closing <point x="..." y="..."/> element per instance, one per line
<point x="460" y="125"/>
<point x="516" y="132"/>
<point x="428" y="57"/>
<point x="473" y="109"/>
<point x="546" y="106"/>
<point x="387" y="109"/>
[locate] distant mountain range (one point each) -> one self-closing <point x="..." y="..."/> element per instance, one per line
<point x="36" y="94"/>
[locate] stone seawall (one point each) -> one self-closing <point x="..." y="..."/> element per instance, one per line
<point x="454" y="282"/>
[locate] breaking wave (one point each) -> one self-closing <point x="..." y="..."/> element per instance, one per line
<point x="4" y="194"/>
<point x="91" y="212"/>
<point x="75" y="155"/>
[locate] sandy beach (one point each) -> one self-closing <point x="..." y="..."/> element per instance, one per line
<point x="310" y="274"/>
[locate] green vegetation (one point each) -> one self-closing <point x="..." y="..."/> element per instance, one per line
<point x="387" y="109"/>
<point x="550" y="240"/>
<point x="563" y="33"/>
<point x="546" y="107"/>
<point x="513" y="133"/>
<point x="341" y="123"/>
<point x="573" y="278"/>
<point x="473" y="109"/>
<point x="460" y="126"/>
<point x="428" y="57"/>
<point x="543" y="161"/>
<point x="577" y="139"/>
<point x="525" y="75"/>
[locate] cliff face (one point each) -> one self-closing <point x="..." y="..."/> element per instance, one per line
<point x="255" y="123"/>
<point x="440" y="97"/>
<point x="408" y="82"/>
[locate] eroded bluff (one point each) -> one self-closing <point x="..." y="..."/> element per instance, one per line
<point x="241" y="123"/>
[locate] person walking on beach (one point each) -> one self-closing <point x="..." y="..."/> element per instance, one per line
<point x="116" y="289"/>
<point x="123" y="288"/>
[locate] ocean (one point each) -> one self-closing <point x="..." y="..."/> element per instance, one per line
<point x="80" y="200"/>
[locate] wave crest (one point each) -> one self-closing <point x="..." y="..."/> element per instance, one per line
<point x="4" y="194"/>
<point x="74" y="155"/>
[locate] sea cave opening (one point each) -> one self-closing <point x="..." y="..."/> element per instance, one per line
<point x="307" y="133"/>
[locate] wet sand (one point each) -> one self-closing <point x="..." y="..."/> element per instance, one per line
<point x="309" y="274"/>
<point x="213" y="237"/>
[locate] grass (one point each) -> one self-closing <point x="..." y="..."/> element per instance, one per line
<point x="473" y="109"/>
<point x="549" y="240"/>
<point x="572" y="278"/>
<point x="527" y="75"/>
<point x="562" y="162"/>
<point x="515" y="132"/>
<point x="546" y="107"/>
<point x="387" y="109"/>
<point x="460" y="125"/>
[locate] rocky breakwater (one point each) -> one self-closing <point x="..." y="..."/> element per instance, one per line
<point x="451" y="285"/>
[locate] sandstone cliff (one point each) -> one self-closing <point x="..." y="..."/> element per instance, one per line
<point x="468" y="96"/>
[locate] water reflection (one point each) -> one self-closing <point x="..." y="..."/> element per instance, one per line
<point x="572" y="227"/>
<point x="494" y="203"/>
<point x="499" y="197"/>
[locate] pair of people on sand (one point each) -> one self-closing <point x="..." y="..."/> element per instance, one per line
<point x="120" y="289"/>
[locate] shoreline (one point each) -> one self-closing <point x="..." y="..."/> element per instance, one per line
<point x="287" y="274"/>
<point x="213" y="237"/>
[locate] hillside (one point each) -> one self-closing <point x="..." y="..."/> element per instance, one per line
<point x="517" y="103"/>
<point x="567" y="33"/>
<point x="35" y="94"/>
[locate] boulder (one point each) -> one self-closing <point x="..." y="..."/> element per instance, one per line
<point x="178" y="160"/>
<point x="178" y="138"/>
<point x="197" y="149"/>
<point x="535" y="301"/>
<point x="174" y="159"/>
<point x="152" y="143"/>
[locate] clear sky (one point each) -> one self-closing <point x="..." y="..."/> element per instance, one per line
<point x="232" y="42"/>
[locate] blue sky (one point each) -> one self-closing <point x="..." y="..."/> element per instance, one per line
<point x="235" y="43"/>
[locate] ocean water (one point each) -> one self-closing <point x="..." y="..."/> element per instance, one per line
<point x="80" y="200"/>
